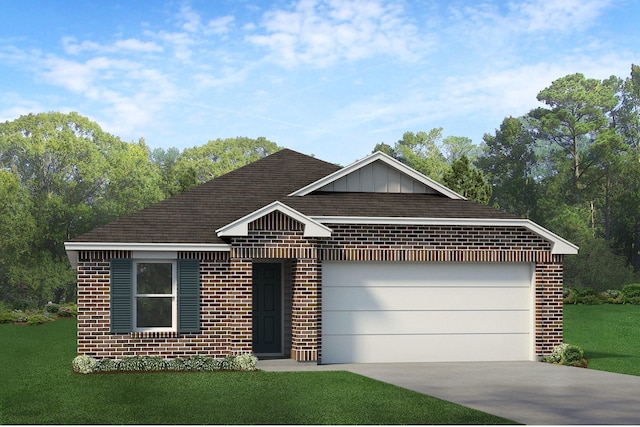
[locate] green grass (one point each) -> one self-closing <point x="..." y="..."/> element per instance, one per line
<point x="609" y="334"/>
<point x="39" y="387"/>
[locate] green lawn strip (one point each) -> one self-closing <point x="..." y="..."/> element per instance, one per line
<point x="609" y="334"/>
<point x="39" y="387"/>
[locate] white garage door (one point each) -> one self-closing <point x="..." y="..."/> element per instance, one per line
<point x="426" y="312"/>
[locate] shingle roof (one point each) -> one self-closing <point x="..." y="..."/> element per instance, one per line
<point x="194" y="215"/>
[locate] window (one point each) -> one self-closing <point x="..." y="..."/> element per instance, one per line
<point x="150" y="294"/>
<point x="155" y="286"/>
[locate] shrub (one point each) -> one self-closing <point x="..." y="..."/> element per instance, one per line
<point x="131" y="363"/>
<point x="566" y="354"/>
<point x="611" y="296"/>
<point x="51" y="308"/>
<point x="246" y="362"/>
<point x="84" y="364"/>
<point x="106" y="365"/>
<point x="177" y="364"/>
<point x="8" y="317"/>
<point x="631" y="293"/>
<point x="21" y="316"/>
<point x="37" y="319"/>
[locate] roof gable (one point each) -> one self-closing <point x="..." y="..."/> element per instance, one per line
<point x="240" y="227"/>
<point x="378" y="173"/>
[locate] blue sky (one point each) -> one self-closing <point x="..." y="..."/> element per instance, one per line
<point x="329" y="78"/>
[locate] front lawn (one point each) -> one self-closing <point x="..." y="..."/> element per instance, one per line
<point x="609" y="334"/>
<point x="39" y="387"/>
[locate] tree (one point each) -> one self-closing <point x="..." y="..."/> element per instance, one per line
<point x="72" y="177"/>
<point x="628" y="114"/>
<point x="467" y="181"/>
<point x="166" y="160"/>
<point x="419" y="151"/>
<point x="454" y="147"/>
<point x="200" y="164"/>
<point x="576" y="114"/>
<point x="508" y="159"/>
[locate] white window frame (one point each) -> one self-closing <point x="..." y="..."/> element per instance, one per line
<point x="173" y="295"/>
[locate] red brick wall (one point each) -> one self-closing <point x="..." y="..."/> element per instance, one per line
<point x="226" y="283"/>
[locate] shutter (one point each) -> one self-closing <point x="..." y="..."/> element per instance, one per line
<point x="121" y="296"/>
<point x="188" y="296"/>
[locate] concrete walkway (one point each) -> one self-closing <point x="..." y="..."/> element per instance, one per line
<point x="526" y="392"/>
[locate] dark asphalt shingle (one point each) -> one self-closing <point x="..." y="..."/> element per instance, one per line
<point x="194" y="215"/>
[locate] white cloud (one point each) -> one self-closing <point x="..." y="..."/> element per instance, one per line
<point x="558" y="15"/>
<point x="137" y="46"/>
<point x="322" y="33"/>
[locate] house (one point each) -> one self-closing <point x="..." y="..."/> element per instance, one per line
<point x="291" y="256"/>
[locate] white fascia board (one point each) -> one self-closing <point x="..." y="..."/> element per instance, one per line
<point x="560" y="246"/>
<point x="390" y="161"/>
<point x="72" y="248"/>
<point x="240" y="227"/>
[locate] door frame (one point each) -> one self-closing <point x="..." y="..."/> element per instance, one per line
<point x="282" y="305"/>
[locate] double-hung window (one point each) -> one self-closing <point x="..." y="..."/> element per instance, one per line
<point x="155" y="295"/>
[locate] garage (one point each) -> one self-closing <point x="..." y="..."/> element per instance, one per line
<point x="377" y="312"/>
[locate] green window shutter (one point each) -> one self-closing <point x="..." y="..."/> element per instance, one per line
<point x="121" y="296"/>
<point x="188" y="296"/>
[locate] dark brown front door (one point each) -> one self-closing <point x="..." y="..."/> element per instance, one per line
<point x="267" y="308"/>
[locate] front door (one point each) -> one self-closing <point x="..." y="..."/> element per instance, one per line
<point x="267" y="308"/>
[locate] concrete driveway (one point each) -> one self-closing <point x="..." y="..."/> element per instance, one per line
<point x="526" y="392"/>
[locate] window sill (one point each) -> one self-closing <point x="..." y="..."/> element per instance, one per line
<point x="154" y="334"/>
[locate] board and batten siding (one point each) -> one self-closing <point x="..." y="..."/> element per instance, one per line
<point x="377" y="177"/>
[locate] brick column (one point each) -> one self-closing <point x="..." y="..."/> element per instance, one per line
<point x="305" y="316"/>
<point x="548" y="305"/>
<point x="240" y="305"/>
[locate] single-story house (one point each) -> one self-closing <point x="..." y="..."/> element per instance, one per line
<point x="291" y="256"/>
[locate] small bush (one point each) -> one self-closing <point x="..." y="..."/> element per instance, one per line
<point x="631" y="293"/>
<point x="611" y="296"/>
<point x="37" y="319"/>
<point x="246" y="362"/>
<point x="51" y="308"/>
<point x="586" y="296"/>
<point x="566" y="354"/>
<point x="21" y="316"/>
<point x="131" y="363"/>
<point x="106" y="365"/>
<point x="8" y="317"/>
<point x="84" y="364"/>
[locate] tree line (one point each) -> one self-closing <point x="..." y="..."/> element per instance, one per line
<point x="571" y="165"/>
<point x="61" y="175"/>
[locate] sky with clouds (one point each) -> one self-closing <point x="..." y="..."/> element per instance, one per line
<point x="329" y="78"/>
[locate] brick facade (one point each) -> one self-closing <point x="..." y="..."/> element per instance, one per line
<point x="226" y="279"/>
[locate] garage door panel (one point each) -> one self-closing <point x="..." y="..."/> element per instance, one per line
<point x="432" y="274"/>
<point x="427" y="298"/>
<point x="426" y="312"/>
<point x="421" y="322"/>
<point x="421" y="348"/>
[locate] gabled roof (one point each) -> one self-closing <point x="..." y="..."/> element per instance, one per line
<point x="240" y="227"/>
<point x="392" y="163"/>
<point x="206" y="216"/>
